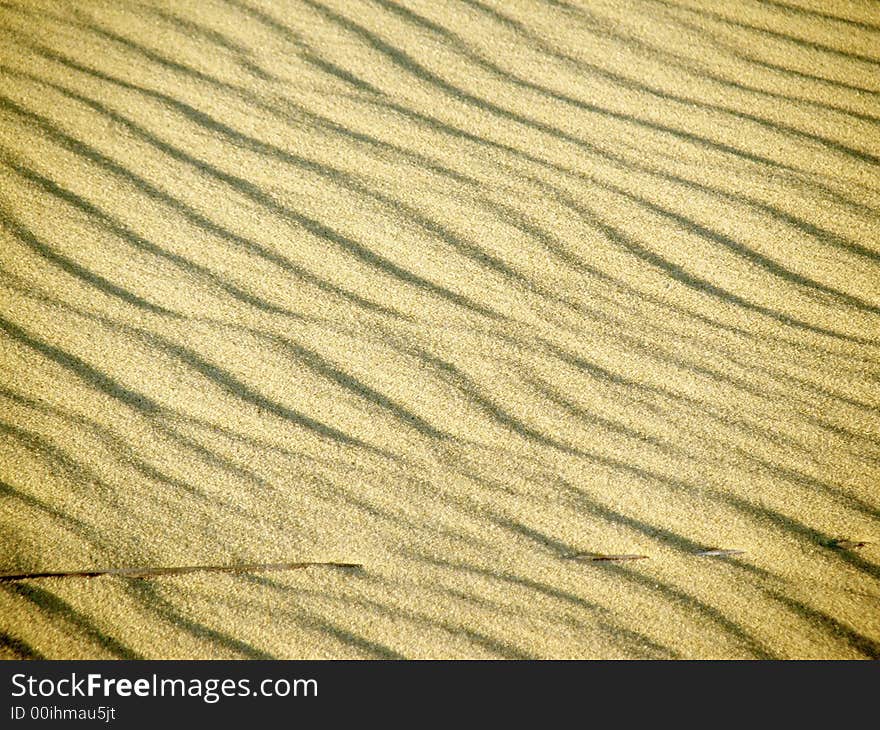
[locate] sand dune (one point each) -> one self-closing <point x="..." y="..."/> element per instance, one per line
<point x="464" y="293"/>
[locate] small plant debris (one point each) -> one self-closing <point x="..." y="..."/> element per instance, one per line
<point x="600" y="557"/>
<point x="841" y="544"/>
<point x="719" y="553"/>
<point x="178" y="570"/>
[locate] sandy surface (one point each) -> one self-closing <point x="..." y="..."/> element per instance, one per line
<point x="454" y="291"/>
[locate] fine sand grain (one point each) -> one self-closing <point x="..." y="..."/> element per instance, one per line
<point x="440" y="329"/>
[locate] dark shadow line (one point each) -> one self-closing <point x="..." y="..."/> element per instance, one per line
<point x="745" y="252"/>
<point x="81" y="369"/>
<point x="414" y="68"/>
<point x="813" y="13"/>
<point x="69" y="266"/>
<point x="738" y="52"/>
<point x="50" y="603"/>
<point x="187" y="26"/>
<point x="467" y="51"/>
<point x="775" y="34"/>
<point x="67" y="520"/>
<point x="146" y="593"/>
<point x="468" y="249"/>
<point x="809" y="535"/>
<point x="253" y="192"/>
<point x="604" y="30"/>
<point x="694" y="282"/>
<point x="864" y="645"/>
<point x="126" y="234"/>
<point x="184" y="210"/>
<point x="323" y="625"/>
<point x="650" y="583"/>
<point x="18" y="647"/>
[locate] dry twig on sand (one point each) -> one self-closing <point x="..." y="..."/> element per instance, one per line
<point x="181" y="570"/>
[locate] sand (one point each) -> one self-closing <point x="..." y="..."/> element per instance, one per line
<point x="461" y="294"/>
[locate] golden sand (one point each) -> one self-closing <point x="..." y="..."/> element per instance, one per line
<point x="452" y="291"/>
